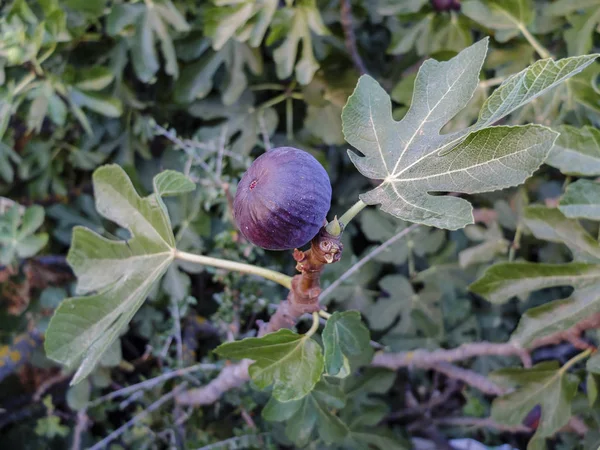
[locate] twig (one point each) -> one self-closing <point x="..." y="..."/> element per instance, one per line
<point x="177" y="332"/>
<point x="475" y="422"/>
<point x="153" y="407"/>
<point x="350" y="38"/>
<point x="43" y="388"/>
<point x="263" y="130"/>
<point x="428" y="359"/>
<point x="148" y="384"/>
<point x="233" y="440"/>
<point x="469" y="377"/>
<point x="366" y="259"/>
<point x="80" y="426"/>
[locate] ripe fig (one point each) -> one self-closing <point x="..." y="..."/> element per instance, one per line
<point x="282" y="199"/>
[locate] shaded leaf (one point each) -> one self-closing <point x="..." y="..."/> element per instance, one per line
<point x="291" y="362"/>
<point x="315" y="410"/>
<point x="581" y="200"/>
<point x="550" y="224"/>
<point x="344" y="336"/>
<point x="545" y="385"/>
<point x="576" y="151"/>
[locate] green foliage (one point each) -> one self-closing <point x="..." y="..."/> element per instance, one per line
<point x="118" y="275"/>
<point x="412" y="157"/>
<point x="292" y="363"/>
<point x="18" y="237"/>
<point x="545" y="384"/>
<point x="103" y="102"/>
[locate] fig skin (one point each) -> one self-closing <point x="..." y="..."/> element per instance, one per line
<point x="282" y="200"/>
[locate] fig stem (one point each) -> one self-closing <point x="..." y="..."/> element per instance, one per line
<point x="575" y="359"/>
<point x="315" y="325"/>
<point x="277" y="277"/>
<point x="538" y="47"/>
<point x="353" y="211"/>
<point x="324" y="315"/>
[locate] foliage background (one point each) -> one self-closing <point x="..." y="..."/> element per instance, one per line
<point x="204" y="87"/>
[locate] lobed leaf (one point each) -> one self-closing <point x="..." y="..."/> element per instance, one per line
<point x="415" y="161"/>
<point x="116" y="275"/>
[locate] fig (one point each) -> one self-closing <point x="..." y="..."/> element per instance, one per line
<point x="282" y="200"/>
<point x="446" y="5"/>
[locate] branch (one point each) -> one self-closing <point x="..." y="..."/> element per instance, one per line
<point x="356" y="267"/>
<point x="303" y="298"/>
<point x="481" y="423"/>
<point x="350" y="38"/>
<point x="469" y="377"/>
<point x="153" y="407"/>
<point x="429" y="359"/>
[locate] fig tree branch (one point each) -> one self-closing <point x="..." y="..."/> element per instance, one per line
<point x="350" y="38"/>
<point x="356" y="267"/>
<point x="428" y="359"/>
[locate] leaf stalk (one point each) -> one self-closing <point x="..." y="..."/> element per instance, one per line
<point x="352" y="212"/>
<point x="539" y="48"/>
<point x="314" y="327"/>
<point x="574" y="360"/>
<point x="277" y="277"/>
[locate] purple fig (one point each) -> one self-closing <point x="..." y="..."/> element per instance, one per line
<point x="282" y="200"/>
<point x="446" y="5"/>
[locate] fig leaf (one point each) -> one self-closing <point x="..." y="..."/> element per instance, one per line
<point x="415" y="161"/>
<point x="291" y="362"/>
<point x="116" y="275"/>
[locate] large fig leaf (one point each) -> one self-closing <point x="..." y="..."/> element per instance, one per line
<point x="116" y="275"/>
<point x="414" y="160"/>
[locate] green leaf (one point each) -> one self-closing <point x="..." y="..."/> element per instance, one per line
<point x="413" y="159"/>
<point x="171" y="182"/>
<point x="291" y="362"/>
<point x="551" y="225"/>
<point x="506" y="280"/>
<point x="315" y="410"/>
<point x="493" y="244"/>
<point x="294" y="25"/>
<point x="344" y="336"/>
<point x="100" y="103"/>
<point x="17" y="238"/>
<point x="564" y="7"/>
<point x="94" y="78"/>
<point x="593" y="363"/>
<point x="576" y="151"/>
<point x="581" y="200"/>
<point x="150" y="23"/>
<point x="503" y="281"/>
<point x="196" y="79"/>
<point x="246" y="20"/>
<point x="505" y="17"/>
<point x="545" y="384"/>
<point x="579" y="37"/>
<point x="78" y="396"/>
<point x="116" y="275"/>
